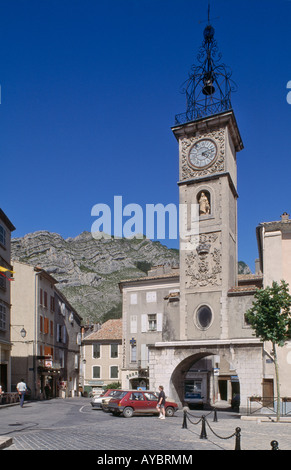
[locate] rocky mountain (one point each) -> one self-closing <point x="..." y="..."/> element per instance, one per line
<point x="88" y="270"/>
<point x="243" y="268"/>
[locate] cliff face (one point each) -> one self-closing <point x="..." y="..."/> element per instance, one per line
<point x="88" y="270"/>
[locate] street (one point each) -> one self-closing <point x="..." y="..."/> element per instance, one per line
<point x="72" y="424"/>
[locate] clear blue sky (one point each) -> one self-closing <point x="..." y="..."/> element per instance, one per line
<point x="89" y="91"/>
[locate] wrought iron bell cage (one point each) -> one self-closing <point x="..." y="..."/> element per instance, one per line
<point x="209" y="86"/>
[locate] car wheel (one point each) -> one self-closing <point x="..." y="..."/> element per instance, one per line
<point x="169" y="411"/>
<point x="128" y="412"/>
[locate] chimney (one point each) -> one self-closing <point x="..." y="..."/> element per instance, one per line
<point x="285" y="216"/>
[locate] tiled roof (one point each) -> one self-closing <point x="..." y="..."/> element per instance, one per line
<point x="110" y="330"/>
<point x="172" y="274"/>
<point x="249" y="288"/>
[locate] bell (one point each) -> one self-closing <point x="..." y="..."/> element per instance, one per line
<point x="208" y="88"/>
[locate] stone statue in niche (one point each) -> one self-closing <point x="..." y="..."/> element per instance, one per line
<point x="204" y="204"/>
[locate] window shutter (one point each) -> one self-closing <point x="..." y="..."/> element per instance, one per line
<point x="133" y="324"/>
<point x="144" y="355"/>
<point x="64" y="335"/>
<point x="143" y="323"/>
<point x="46" y="325"/>
<point x="159" y="322"/>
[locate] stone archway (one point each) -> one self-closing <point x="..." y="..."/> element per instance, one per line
<point x="169" y="363"/>
<point x="179" y="375"/>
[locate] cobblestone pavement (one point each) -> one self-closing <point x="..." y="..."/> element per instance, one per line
<point x="72" y="424"/>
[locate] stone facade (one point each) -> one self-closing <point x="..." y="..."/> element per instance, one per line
<point x="173" y="360"/>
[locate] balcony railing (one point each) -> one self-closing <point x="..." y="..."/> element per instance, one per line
<point x="201" y="111"/>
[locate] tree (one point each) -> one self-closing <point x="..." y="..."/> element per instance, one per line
<point x="270" y="317"/>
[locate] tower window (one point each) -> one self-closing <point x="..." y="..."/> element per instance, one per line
<point x="204" y="317"/>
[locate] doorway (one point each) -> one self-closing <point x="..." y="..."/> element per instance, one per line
<point x="3" y="376"/>
<point x="268" y="391"/>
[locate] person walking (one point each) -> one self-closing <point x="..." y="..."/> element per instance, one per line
<point x="161" y="402"/>
<point x="21" y="388"/>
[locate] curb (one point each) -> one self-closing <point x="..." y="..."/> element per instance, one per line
<point x="5" y="442"/>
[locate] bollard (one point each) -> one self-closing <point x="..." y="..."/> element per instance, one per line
<point x="184" y="426"/>
<point x="203" y="434"/>
<point x="237" y="439"/>
<point x="215" y="417"/>
<point x="275" y="445"/>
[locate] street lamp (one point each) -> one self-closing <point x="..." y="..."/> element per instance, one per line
<point x="23" y="332"/>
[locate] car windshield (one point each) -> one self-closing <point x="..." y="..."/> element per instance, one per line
<point x="119" y="394"/>
<point x="115" y="393"/>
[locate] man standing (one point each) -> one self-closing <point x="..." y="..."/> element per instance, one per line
<point x="161" y="402"/>
<point x="21" y="388"/>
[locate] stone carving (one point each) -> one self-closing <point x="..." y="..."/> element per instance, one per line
<point x="188" y="172"/>
<point x="203" y="265"/>
<point x="204" y="205"/>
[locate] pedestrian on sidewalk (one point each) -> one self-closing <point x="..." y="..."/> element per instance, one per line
<point x="21" y="388"/>
<point x="161" y="402"/>
<point x="47" y="391"/>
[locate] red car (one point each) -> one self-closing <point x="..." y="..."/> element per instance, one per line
<point x="139" y="402"/>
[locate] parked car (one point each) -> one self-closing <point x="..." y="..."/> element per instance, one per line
<point x="139" y="402"/>
<point x="96" y="401"/>
<point x="106" y="399"/>
<point x="96" y="392"/>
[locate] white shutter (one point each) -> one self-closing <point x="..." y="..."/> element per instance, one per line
<point x="144" y="355"/>
<point x="144" y="323"/>
<point x="133" y="324"/>
<point x="159" y="322"/>
<point x="133" y="299"/>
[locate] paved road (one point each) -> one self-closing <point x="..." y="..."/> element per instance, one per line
<point x="72" y="424"/>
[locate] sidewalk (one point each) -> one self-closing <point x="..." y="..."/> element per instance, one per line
<point x="7" y="441"/>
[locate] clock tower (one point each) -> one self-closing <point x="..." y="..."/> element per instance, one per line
<point x="209" y="141"/>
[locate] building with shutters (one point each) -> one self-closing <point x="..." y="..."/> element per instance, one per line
<point x="101" y="355"/>
<point x="150" y="306"/>
<point x="45" y="334"/>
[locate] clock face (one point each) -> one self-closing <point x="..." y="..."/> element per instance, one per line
<point x="202" y="154"/>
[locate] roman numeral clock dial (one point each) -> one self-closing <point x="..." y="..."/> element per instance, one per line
<point x="202" y="154"/>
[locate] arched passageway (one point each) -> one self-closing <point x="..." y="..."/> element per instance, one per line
<point x="204" y="379"/>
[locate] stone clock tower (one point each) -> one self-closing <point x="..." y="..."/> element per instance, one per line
<point x="209" y="140"/>
<point x="208" y="352"/>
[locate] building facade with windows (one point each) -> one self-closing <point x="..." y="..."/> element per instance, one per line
<point x="6" y="227"/>
<point x="102" y="355"/>
<point x="43" y="353"/>
<point x="274" y="246"/>
<point x="67" y="345"/>
<point x="150" y="311"/>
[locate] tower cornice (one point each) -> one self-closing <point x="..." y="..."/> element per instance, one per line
<point x="207" y="124"/>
